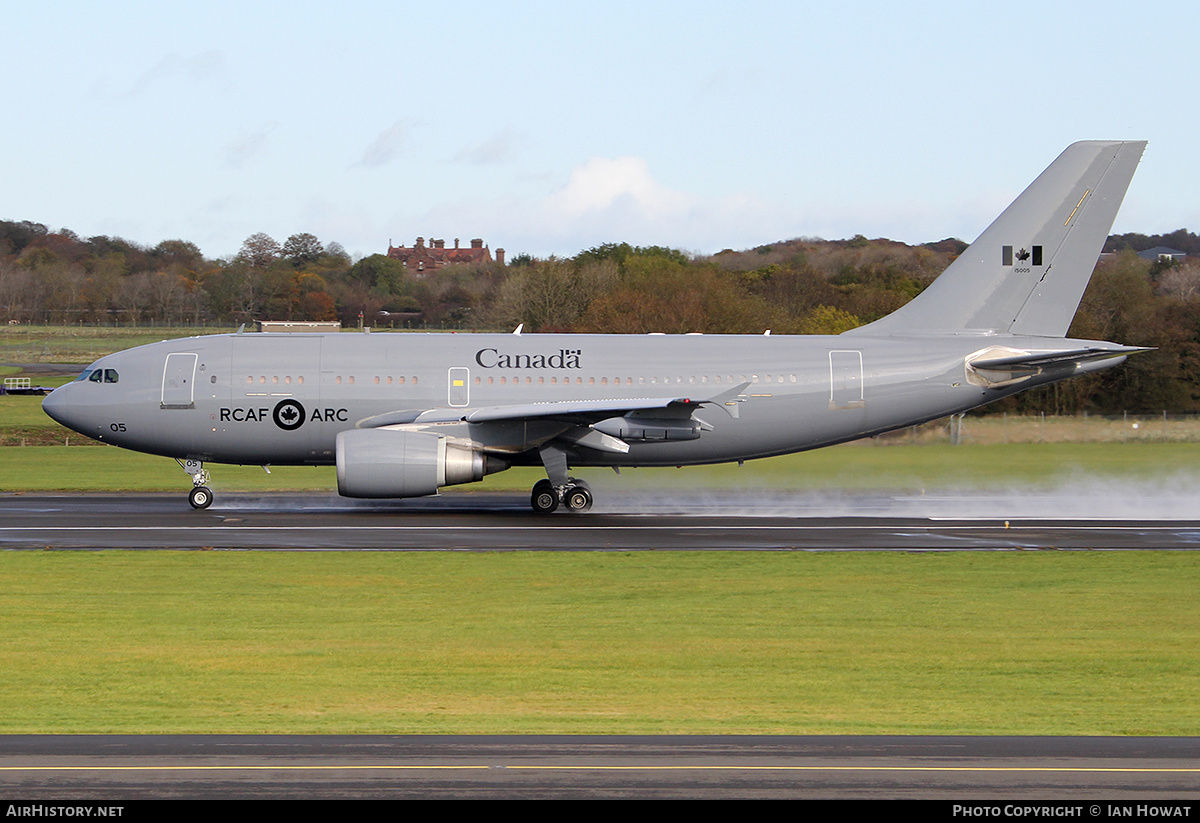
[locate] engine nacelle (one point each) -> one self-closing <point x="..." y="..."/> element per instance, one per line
<point x="388" y="463"/>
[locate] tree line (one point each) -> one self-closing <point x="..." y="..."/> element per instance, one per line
<point x="799" y="286"/>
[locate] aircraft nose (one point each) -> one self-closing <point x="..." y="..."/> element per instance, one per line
<point x="57" y="404"/>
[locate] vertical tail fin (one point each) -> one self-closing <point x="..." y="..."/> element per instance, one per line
<point x="1027" y="272"/>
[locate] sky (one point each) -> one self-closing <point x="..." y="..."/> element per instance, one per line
<point x="551" y="127"/>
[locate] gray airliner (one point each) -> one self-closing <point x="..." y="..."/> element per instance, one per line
<point x="402" y="415"/>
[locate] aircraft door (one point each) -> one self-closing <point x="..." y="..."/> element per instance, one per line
<point x="458" y="388"/>
<point x="179" y="381"/>
<point x="846" y="380"/>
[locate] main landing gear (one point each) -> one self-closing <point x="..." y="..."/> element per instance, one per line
<point x="201" y="496"/>
<point x="559" y="489"/>
<point x="575" y="496"/>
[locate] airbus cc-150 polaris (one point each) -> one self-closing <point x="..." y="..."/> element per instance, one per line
<point x="402" y="415"/>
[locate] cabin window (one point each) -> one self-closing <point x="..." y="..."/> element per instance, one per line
<point x="96" y="376"/>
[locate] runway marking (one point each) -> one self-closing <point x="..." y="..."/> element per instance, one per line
<point x="609" y="528"/>
<point x="580" y="767"/>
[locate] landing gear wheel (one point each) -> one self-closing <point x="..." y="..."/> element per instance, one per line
<point x="577" y="499"/>
<point x="544" y="498"/>
<point x="200" y="497"/>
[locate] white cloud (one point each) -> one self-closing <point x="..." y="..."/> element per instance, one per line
<point x="386" y="145"/>
<point x="248" y="146"/>
<point x="603" y="183"/>
<point x="207" y="66"/>
<point x="502" y="146"/>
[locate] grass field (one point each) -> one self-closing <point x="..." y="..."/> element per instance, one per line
<point x="854" y="467"/>
<point x="695" y="643"/>
<point x="83" y="344"/>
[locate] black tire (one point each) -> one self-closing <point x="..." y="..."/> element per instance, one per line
<point x="544" y="498"/>
<point x="578" y="499"/>
<point x="201" y="497"/>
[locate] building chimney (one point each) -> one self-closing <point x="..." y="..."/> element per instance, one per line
<point x="477" y="243"/>
<point x="420" y="243"/>
<point x="500" y="256"/>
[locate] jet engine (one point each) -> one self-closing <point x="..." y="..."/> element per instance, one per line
<point x="389" y="463"/>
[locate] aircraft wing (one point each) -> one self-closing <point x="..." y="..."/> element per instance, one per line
<point x="576" y="410"/>
<point x="606" y="425"/>
<point x="581" y="409"/>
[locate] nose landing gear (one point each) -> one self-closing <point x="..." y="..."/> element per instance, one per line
<point x="201" y="496"/>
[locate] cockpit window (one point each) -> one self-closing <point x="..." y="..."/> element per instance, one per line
<point x="99" y="376"/>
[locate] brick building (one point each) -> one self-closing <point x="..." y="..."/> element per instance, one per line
<point x="420" y="258"/>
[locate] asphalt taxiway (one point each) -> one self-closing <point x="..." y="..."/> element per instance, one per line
<point x="498" y="521"/>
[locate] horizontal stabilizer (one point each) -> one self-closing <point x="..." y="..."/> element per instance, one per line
<point x="1055" y="358"/>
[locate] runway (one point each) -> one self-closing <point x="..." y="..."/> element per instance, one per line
<point x="503" y="522"/>
<point x="1073" y="771"/>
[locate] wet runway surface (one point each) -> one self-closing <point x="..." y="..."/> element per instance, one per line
<point x="329" y="766"/>
<point x="493" y="521"/>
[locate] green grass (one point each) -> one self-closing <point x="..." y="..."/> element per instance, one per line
<point x="83" y="344"/>
<point x="854" y="466"/>
<point x="696" y="643"/>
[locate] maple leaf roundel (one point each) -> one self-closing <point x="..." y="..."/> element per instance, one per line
<point x="288" y="415"/>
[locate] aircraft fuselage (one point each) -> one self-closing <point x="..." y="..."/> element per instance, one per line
<point x="283" y="398"/>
